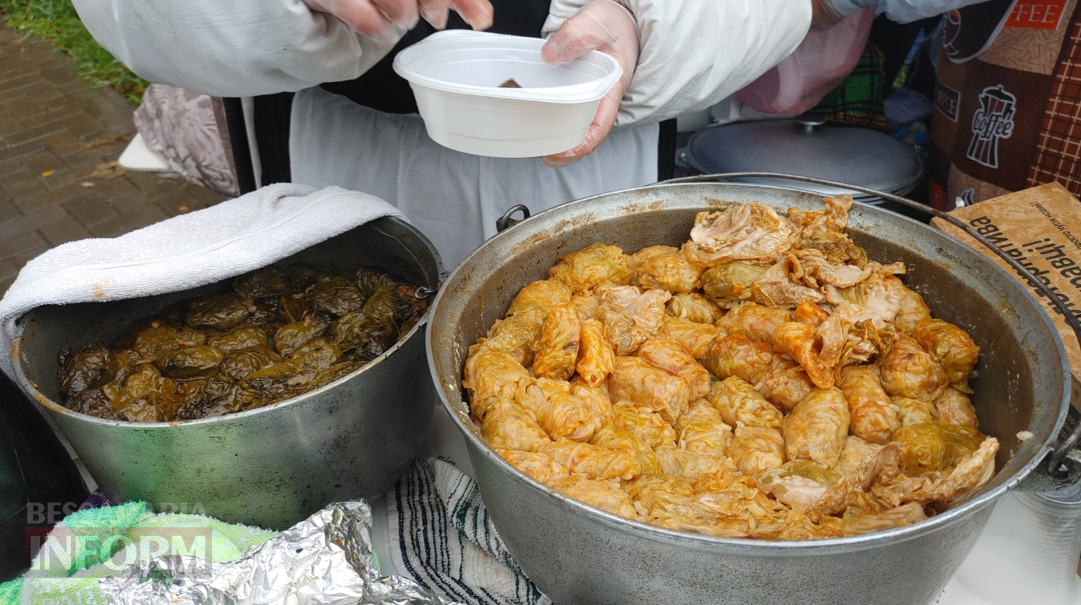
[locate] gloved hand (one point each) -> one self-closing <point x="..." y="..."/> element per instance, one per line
<point x="386" y="20"/>
<point x="610" y="28"/>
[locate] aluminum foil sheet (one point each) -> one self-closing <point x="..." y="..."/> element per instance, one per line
<point x="325" y="559"/>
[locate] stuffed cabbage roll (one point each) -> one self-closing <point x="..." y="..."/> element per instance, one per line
<point x="541" y="295"/>
<point x="612" y="436"/>
<point x="858" y="524"/>
<point x="672" y="357"/>
<point x="693" y="307"/>
<point x="701" y="429"/>
<point x="587" y="306"/>
<point x="635" y="380"/>
<point x="855" y="452"/>
<point x="691" y="464"/>
<point x="911" y="309"/>
<point x="816" y="429"/>
<point x="509" y="426"/>
<point x="935" y="447"/>
<point x="739" y="403"/>
<point x="559" y="412"/>
<point x="954" y="407"/>
<point x="798" y="342"/>
<point x="595" y="356"/>
<point x="596" y="397"/>
<point x="785" y="383"/>
<point x="738" y="356"/>
<point x="491" y="375"/>
<point x="630" y="316"/>
<point x="644" y="424"/>
<point x="535" y="464"/>
<point x="951" y="347"/>
<point x="517" y="335"/>
<point x="730" y="282"/>
<point x="873" y="416"/>
<point x="695" y="337"/>
<point x="756" y="449"/>
<point x="753" y="321"/>
<point x="592" y="266"/>
<point x="557" y="351"/>
<point x="666" y="269"/>
<point x="599" y="494"/>
<point x="592" y="461"/>
<point x="657" y="492"/>
<point x="908" y="370"/>
<point x="914" y="411"/>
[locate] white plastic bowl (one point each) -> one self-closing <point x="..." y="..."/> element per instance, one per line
<point x="455" y="76"/>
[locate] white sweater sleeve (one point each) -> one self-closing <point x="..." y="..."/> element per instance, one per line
<point x="694" y="53"/>
<point x="230" y="48"/>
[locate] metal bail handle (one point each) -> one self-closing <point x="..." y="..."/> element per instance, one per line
<point x="506" y="221"/>
<point x="1064" y="462"/>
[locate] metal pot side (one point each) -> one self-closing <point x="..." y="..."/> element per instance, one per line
<point x="579" y="554"/>
<point x="269" y="467"/>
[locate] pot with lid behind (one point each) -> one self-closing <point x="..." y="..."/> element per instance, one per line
<point x="807" y="146"/>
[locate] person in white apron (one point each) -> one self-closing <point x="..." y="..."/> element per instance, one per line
<point x="362" y="132"/>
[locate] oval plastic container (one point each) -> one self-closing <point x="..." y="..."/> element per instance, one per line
<point x="456" y="77"/>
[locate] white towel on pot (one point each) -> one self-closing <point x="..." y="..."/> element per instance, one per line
<point x="187" y="251"/>
<point x="442" y="538"/>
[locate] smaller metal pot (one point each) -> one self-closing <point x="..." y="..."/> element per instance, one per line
<point x="272" y="466"/>
<point x="807" y="146"/>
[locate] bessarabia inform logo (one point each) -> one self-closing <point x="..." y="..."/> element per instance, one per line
<point x="992" y="122"/>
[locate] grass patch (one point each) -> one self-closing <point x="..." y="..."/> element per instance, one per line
<point x="57" y="22"/>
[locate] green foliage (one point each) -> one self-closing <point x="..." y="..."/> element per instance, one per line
<point x="57" y="22"/>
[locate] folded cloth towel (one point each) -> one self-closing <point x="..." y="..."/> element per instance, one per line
<point x="441" y="537"/>
<point x="203" y="247"/>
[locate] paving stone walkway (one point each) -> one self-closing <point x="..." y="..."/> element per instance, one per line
<point x="59" y="141"/>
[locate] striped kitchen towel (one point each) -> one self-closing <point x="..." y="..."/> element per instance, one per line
<point x="441" y="537"/>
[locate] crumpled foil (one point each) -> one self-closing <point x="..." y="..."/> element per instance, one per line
<point x="325" y="559"/>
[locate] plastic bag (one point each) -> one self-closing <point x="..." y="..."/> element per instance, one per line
<point x="821" y="62"/>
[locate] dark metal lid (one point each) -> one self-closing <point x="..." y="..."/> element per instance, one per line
<point x="807" y="146"/>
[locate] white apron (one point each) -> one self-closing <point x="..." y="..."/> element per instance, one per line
<point x="452" y="197"/>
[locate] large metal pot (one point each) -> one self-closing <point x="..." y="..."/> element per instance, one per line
<point x="271" y="466"/>
<point x="579" y="554"/>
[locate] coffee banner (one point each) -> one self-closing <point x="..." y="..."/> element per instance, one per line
<point x="1007" y="101"/>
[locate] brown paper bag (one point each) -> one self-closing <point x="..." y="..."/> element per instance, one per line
<point x="1041" y="229"/>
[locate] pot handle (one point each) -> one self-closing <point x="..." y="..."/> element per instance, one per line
<point x="507" y="221"/>
<point x="1063" y="464"/>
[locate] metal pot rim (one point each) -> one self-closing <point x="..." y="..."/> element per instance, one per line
<point x="748" y="546"/>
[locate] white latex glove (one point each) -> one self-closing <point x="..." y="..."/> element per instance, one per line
<point x="610" y="28"/>
<point x="386" y="20"/>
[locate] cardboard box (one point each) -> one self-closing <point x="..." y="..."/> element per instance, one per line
<point x="1040" y="228"/>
